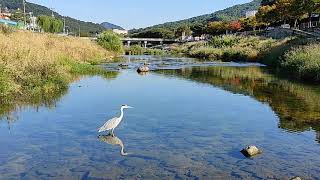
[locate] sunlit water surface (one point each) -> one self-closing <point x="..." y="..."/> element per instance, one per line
<point x="189" y="122"/>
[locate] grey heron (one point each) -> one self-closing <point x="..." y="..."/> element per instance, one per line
<point x="113" y="140"/>
<point x="114" y="122"/>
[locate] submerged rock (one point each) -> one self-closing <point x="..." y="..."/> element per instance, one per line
<point x="251" y="151"/>
<point x="296" y="178"/>
<point x="123" y="65"/>
<point x="143" y="69"/>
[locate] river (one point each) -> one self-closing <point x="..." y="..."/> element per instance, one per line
<point x="190" y="120"/>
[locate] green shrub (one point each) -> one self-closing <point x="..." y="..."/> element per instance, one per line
<point x="6" y="29"/>
<point x="224" y="41"/>
<point x="206" y="52"/>
<point x="110" y="41"/>
<point x="303" y="62"/>
<point x="239" y="54"/>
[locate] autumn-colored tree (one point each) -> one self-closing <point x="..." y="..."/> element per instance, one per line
<point x="283" y="8"/>
<point x="235" y="26"/>
<point x="267" y="14"/>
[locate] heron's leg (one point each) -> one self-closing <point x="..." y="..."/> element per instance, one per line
<point x="112" y="134"/>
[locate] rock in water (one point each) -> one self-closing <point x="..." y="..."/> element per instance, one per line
<point x="143" y="69"/>
<point x="296" y="178"/>
<point x="251" y="151"/>
<point x="123" y="65"/>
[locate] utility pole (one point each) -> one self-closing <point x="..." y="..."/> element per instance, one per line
<point x="64" y="25"/>
<point x="79" y="31"/>
<point x="52" y="14"/>
<point x="24" y="12"/>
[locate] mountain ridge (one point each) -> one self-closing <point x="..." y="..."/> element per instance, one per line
<point x="227" y="14"/>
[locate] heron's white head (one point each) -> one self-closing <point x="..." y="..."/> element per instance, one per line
<point x="126" y="107"/>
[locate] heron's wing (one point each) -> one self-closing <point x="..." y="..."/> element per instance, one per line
<point x="108" y="125"/>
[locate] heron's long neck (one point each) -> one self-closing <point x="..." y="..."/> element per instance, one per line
<point x="121" y="115"/>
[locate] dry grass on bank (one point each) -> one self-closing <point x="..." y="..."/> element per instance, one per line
<point x="33" y="62"/>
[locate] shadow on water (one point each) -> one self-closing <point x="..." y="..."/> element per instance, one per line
<point x="297" y="105"/>
<point x="114" y="141"/>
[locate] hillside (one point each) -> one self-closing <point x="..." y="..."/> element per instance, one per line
<point x="108" y="25"/>
<point x="73" y="24"/>
<point x="228" y="14"/>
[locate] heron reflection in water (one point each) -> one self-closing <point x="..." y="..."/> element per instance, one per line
<point x="113" y="140"/>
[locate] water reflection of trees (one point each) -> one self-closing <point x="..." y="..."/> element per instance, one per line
<point x="35" y="100"/>
<point x="297" y="105"/>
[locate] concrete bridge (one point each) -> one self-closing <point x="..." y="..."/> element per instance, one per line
<point x="142" y="41"/>
<point x="146" y="41"/>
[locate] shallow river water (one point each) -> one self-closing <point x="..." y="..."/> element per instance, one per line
<point x="190" y="121"/>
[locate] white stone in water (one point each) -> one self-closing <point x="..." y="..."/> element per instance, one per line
<point x="251" y="151"/>
<point x="143" y="69"/>
<point x="296" y="178"/>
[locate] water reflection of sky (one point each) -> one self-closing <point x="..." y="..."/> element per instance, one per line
<point x="158" y="63"/>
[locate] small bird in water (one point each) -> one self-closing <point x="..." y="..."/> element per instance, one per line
<point x="114" y="122"/>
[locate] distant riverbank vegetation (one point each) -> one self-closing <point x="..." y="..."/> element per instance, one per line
<point x="33" y="64"/>
<point x="138" y="50"/>
<point x="228" y="48"/>
<point x="297" y="58"/>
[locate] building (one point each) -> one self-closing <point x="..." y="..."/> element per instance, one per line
<point x="120" y="31"/>
<point x="251" y="13"/>
<point x="8" y="22"/>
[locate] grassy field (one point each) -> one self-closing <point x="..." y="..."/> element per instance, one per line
<point x="32" y="63"/>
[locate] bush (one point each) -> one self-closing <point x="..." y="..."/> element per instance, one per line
<point x="110" y="41"/>
<point x="239" y="54"/>
<point x="224" y="41"/>
<point x="206" y="52"/>
<point x="6" y="29"/>
<point x="303" y="62"/>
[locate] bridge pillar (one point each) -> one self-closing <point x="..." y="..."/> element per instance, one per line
<point x="145" y="44"/>
<point x="128" y="43"/>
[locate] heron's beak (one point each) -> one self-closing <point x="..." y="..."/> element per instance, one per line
<point x="130" y="107"/>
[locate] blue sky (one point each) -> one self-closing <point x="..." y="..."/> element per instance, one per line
<point x="136" y="13"/>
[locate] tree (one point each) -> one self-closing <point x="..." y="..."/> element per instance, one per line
<point x="283" y="8"/>
<point x="184" y="29"/>
<point x="267" y="14"/>
<point x="216" y="27"/>
<point x="110" y="41"/>
<point x="17" y="16"/>
<point x="50" y="24"/>
<point x="235" y="26"/>
<point x="198" y="29"/>
<point x="155" y="33"/>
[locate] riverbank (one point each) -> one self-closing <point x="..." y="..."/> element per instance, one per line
<point x="35" y="64"/>
<point x="138" y="50"/>
<point x="294" y="57"/>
